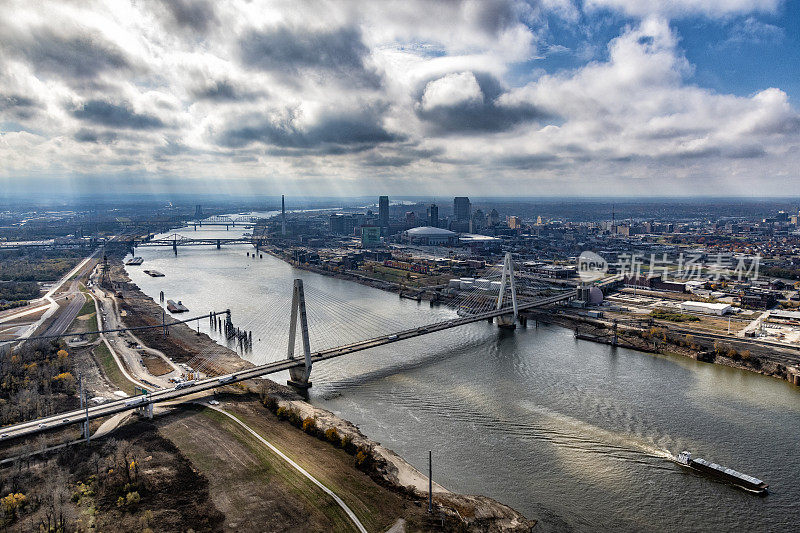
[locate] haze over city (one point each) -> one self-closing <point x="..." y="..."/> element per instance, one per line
<point x="551" y="97"/>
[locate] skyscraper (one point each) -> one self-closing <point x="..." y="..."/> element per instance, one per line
<point x="433" y="215"/>
<point x="461" y="208"/>
<point x="383" y="211"/>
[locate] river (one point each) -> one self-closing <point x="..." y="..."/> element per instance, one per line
<point x="574" y="434"/>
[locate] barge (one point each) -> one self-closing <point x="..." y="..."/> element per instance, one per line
<point x="173" y="307"/>
<point x="154" y="273"/>
<point x="750" y="483"/>
<point x="134" y="261"/>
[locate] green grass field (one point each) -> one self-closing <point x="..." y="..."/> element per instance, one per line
<point x="111" y="370"/>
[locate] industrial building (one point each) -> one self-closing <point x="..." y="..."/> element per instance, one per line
<point x="705" y="307"/>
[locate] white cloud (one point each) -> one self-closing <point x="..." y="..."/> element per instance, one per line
<point x="683" y="8"/>
<point x="452" y="90"/>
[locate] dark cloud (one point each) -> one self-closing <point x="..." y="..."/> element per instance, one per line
<point x="113" y="115"/>
<point x="196" y="15"/>
<point x="224" y="90"/>
<point x="333" y="133"/>
<point x="478" y="117"/>
<point x="494" y="16"/>
<point x="785" y="124"/>
<point x="340" y="52"/>
<point x="85" y="135"/>
<point x="529" y="162"/>
<point x="18" y="106"/>
<point x="746" y="152"/>
<point x="79" y="56"/>
<point x="399" y="156"/>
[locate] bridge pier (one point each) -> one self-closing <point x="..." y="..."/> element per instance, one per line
<point x="218" y="244"/>
<point x="299" y="375"/>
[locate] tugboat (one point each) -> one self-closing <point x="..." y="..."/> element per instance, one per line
<point x="743" y="481"/>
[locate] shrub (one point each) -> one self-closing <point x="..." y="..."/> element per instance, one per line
<point x="362" y="459"/>
<point x="332" y="436"/>
<point x="348" y="446"/>
<point x="270" y="403"/>
<point x="310" y="425"/>
<point x="132" y="498"/>
<point x="295" y="419"/>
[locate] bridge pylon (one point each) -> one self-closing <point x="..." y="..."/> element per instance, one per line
<point x="299" y="375"/>
<point x="507" y="321"/>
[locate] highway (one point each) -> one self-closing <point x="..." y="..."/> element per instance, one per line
<point x="25" y="429"/>
<point x="67" y="315"/>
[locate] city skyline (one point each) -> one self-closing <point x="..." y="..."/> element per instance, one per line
<point x="554" y="98"/>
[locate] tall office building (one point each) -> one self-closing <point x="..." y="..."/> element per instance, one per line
<point x="461" y="208"/>
<point x="494" y="218"/>
<point x="283" y="215"/>
<point x="433" y="215"/>
<point x="383" y="211"/>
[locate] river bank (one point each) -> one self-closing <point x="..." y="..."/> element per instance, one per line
<point x="730" y="352"/>
<point x="476" y="513"/>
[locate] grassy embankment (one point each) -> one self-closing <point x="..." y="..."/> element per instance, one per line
<point x="258" y="469"/>
<point x="111" y="370"/>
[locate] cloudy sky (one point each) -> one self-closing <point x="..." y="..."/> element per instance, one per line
<point x="490" y="98"/>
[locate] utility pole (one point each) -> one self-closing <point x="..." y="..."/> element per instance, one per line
<point x="84" y="405"/>
<point x="430" y="482"/>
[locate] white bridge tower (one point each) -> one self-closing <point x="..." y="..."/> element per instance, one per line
<point x="507" y="321"/>
<point x="299" y="375"/>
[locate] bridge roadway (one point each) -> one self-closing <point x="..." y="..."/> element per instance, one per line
<point x="25" y="429"/>
<point x="187" y="242"/>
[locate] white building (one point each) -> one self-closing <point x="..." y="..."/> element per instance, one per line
<point x="707" y="308"/>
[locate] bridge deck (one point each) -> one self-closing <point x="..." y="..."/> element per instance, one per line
<point x="80" y="415"/>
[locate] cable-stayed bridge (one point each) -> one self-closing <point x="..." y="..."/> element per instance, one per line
<point x="313" y="321"/>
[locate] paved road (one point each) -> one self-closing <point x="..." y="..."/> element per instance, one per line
<point x="68" y="313"/>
